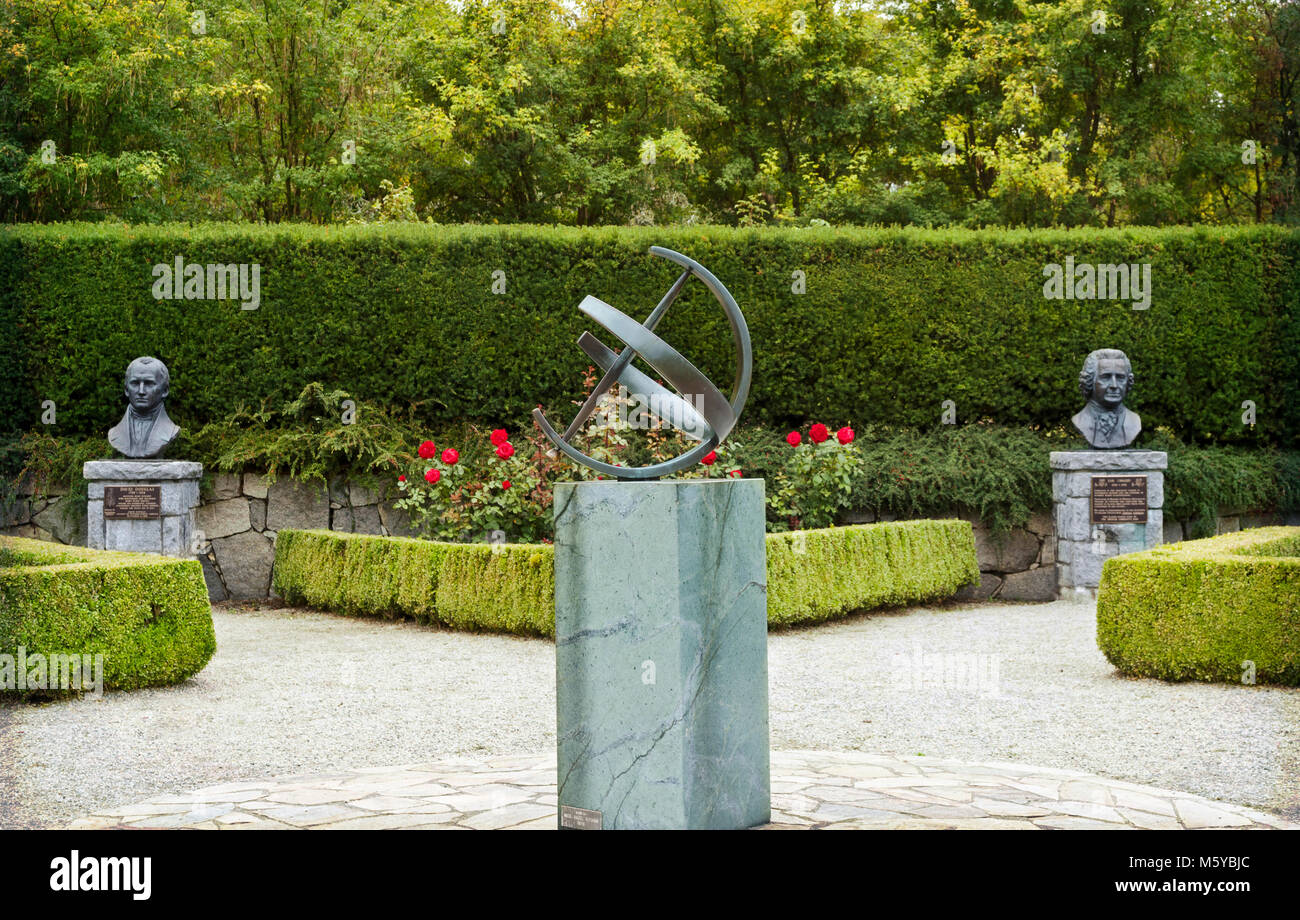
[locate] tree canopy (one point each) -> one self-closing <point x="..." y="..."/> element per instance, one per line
<point x="932" y="112"/>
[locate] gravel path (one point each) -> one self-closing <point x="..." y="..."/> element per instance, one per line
<point x="292" y="691"/>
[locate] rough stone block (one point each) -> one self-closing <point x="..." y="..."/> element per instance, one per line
<point x="216" y="590"/>
<point x="364" y="495"/>
<point x="178" y="496"/>
<point x="1033" y="585"/>
<point x="987" y="587"/>
<point x="1228" y="524"/>
<point x="245" y="560"/>
<point x="95" y="524"/>
<point x="176" y="535"/>
<point x="257" y="513"/>
<point x="1173" y="532"/>
<point x="661" y="661"/>
<point x="255" y="485"/>
<point x="1012" y="551"/>
<point x="857" y="517"/>
<point x="224" y="518"/>
<point x="1135" y="461"/>
<point x="141" y="470"/>
<point x="143" y="536"/>
<point x="66" y="522"/>
<point x="224" y="486"/>
<point x="293" y="505"/>
<point x="1041" y="523"/>
<point x="365" y="519"/>
<point x="396" y="522"/>
<point x="1259" y="520"/>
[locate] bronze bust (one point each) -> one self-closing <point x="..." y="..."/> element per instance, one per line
<point x="145" y="431"/>
<point x="1106" y="380"/>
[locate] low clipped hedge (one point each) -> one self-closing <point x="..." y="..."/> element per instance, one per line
<point x="359" y="575"/>
<point x="147" y="615"/>
<point x="1198" y="610"/>
<point x="813" y="575"/>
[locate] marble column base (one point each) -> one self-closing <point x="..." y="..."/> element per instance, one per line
<point x="171" y="533"/>
<point x="661" y="654"/>
<point x="1083" y="547"/>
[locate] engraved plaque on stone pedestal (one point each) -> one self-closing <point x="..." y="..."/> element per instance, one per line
<point x="1118" y="500"/>
<point x="132" y="503"/>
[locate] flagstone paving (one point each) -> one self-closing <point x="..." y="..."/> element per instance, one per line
<point x="810" y="789"/>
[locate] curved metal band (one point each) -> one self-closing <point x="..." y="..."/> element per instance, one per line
<point x="720" y="413"/>
<point x="667" y="360"/>
<point x="662" y="401"/>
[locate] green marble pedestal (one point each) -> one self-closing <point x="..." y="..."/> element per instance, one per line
<point x="661" y="654"/>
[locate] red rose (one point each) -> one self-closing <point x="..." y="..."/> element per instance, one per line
<point x="844" y="435"/>
<point x="427" y="450"/>
<point x="709" y="458"/>
<point x="734" y="474"/>
<point x="505" y="483"/>
<point x="433" y="476"/>
<point x="402" y="478"/>
<point x="500" y="437"/>
<point x="818" y="433"/>
<point x="506" y="450"/>
<point x="450" y="456"/>
<point x="793" y="439"/>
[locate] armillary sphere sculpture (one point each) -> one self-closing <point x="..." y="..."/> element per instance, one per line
<point x="705" y="415"/>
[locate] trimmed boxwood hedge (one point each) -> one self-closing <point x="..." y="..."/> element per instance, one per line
<point x="1198" y="610"/>
<point x="812" y="575"/>
<point x="147" y="615"/>
<point x="892" y="322"/>
<point x="815" y="575"/>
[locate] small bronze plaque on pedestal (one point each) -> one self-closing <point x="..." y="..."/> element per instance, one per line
<point x="1119" y="500"/>
<point x="132" y="503"/>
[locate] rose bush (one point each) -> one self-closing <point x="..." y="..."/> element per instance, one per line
<point x="817" y="482"/>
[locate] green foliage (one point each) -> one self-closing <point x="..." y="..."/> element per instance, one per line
<point x="147" y="615"/>
<point x="403" y="318"/>
<point x="647" y="112"/>
<point x="309" y="437"/>
<point x="816" y="575"/>
<point x="1203" y="609"/>
<point x="499" y="588"/>
<point x="812" y="575"/>
<point x="357" y="575"/>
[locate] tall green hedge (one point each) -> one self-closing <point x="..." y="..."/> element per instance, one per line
<point x="892" y="322"/>
<point x="812" y="575"/>
<point x="1202" y="609"/>
<point x="147" y="615"/>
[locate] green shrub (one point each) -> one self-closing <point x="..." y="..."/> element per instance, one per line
<point x="505" y="588"/>
<point x="893" y="322"/>
<point x="813" y="575"/>
<point x="147" y="615"/>
<point x="1201" y="609"/>
<point x="359" y="575"/>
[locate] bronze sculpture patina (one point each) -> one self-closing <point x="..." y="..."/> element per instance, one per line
<point x="1106" y="379"/>
<point x="705" y="414"/>
<point x="145" y="431"/>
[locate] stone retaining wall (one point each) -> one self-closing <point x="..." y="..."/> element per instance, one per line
<point x="240" y="515"/>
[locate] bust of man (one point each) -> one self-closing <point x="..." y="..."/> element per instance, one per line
<point x="1106" y="379"/>
<point x="145" y="431"/>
